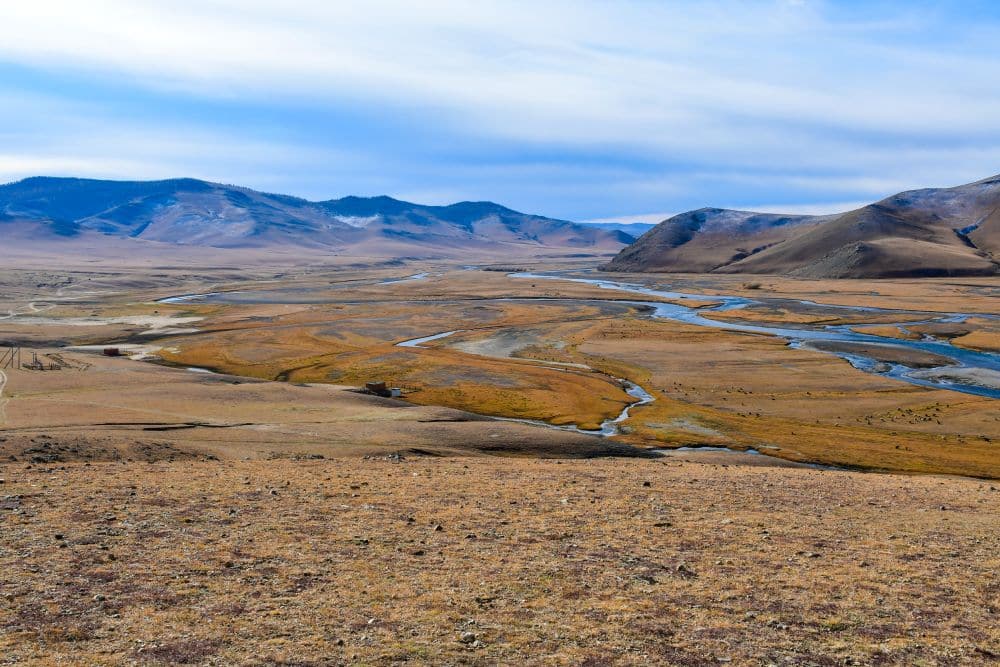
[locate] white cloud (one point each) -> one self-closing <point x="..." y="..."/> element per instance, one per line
<point x="635" y="73"/>
<point x="812" y="208"/>
<point x="648" y="218"/>
<point x="781" y="94"/>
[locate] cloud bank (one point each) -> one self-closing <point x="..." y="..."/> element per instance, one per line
<point x="574" y="109"/>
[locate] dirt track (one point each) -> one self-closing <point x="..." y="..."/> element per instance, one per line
<point x="3" y="400"/>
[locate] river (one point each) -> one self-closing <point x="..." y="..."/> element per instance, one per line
<point x="972" y="372"/>
<point x="968" y="371"/>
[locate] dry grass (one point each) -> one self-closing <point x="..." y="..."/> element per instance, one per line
<point x="350" y="348"/>
<point x="591" y="562"/>
<point x="888" y="331"/>
<point x="712" y="387"/>
<point x="986" y="341"/>
<point x="117" y="409"/>
<point x="720" y="388"/>
<point x="285" y="558"/>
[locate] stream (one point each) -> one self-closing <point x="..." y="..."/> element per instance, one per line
<point x="972" y="372"/>
<point x="609" y="427"/>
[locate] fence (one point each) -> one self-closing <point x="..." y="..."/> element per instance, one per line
<point x="10" y="357"/>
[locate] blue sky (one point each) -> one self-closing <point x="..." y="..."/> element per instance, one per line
<point x="579" y="110"/>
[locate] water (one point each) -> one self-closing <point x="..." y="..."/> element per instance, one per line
<point x="609" y="427"/>
<point x="247" y="296"/>
<point x="961" y="377"/>
<point x="405" y="279"/>
<point x="184" y="298"/>
<point x="960" y="357"/>
<point x="417" y="342"/>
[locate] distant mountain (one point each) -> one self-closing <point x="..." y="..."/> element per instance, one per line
<point x="931" y="232"/>
<point x="633" y="229"/>
<point x="192" y="212"/>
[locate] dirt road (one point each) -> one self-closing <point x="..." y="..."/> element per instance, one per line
<point x="3" y="401"/>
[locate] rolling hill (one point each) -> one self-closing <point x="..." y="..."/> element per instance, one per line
<point x="198" y="213"/>
<point x="930" y="232"/>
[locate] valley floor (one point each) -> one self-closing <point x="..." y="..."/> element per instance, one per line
<point x="288" y="346"/>
<point x="268" y="513"/>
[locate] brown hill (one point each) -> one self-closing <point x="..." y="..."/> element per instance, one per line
<point x="931" y="232"/>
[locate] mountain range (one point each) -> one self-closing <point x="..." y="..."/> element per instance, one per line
<point x="198" y="213"/>
<point x="930" y="232"/>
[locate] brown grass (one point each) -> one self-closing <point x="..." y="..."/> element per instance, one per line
<point x="592" y="562"/>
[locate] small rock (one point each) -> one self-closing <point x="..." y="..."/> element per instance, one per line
<point x="99" y="598"/>
<point x="59" y="536"/>
<point x="468" y="637"/>
<point x="646" y="484"/>
<point x="438" y="528"/>
<point x="685" y="571"/>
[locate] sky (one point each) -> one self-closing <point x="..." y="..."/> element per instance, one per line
<point x="580" y="110"/>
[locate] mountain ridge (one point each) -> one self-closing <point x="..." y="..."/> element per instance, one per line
<point x="187" y="211"/>
<point x="917" y="233"/>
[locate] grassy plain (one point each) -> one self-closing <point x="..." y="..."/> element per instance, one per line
<point x="549" y="351"/>
<point x="712" y="387"/>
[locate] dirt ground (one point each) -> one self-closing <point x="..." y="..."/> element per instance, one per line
<point x="493" y="561"/>
<point x="119" y="409"/>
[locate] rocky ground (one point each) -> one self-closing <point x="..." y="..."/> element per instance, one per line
<point x="493" y="561"/>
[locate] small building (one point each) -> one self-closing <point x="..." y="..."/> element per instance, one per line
<point x="377" y="388"/>
<point x="383" y="390"/>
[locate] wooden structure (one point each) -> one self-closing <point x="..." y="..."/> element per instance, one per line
<point x="381" y="389"/>
<point x="10" y="357"/>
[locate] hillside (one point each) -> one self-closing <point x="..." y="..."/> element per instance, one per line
<point x="704" y="240"/>
<point x="930" y="232"/>
<point x="198" y="213"/>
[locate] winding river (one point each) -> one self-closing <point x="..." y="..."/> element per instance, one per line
<point x="964" y="370"/>
<point x="971" y="371"/>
